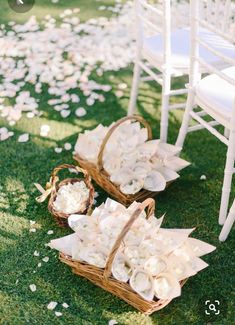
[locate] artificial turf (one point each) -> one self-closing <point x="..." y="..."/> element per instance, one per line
<point x="189" y="202"/>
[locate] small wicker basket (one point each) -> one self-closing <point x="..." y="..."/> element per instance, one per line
<point x="102" y="178"/>
<point x="103" y="277"/>
<point x="53" y="186"/>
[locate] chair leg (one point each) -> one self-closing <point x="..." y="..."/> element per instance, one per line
<point x="166" y="87"/>
<point x="226" y="132"/>
<point x="228" y="174"/>
<point x="228" y="223"/>
<point x="186" y="119"/>
<point x="134" y="89"/>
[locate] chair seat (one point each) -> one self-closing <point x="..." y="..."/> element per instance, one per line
<point x="216" y="96"/>
<point x="180" y="48"/>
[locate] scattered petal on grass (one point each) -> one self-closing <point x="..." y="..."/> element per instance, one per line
<point x="58" y="150"/>
<point x="113" y="322"/>
<point x="32" y="222"/>
<point x="58" y="313"/>
<point x="32" y="287"/>
<point x="65" y="113"/>
<point x="17" y="281"/>
<point x="4" y="136"/>
<point x="67" y="146"/>
<point x="52" y="305"/>
<point x="23" y="137"/>
<point x="122" y="86"/>
<point x="45" y="259"/>
<point x="30" y="115"/>
<point x="203" y="178"/>
<point x="32" y="229"/>
<point x="65" y="305"/>
<point x="39" y="264"/>
<point x="36" y="253"/>
<point x="80" y="112"/>
<point x="50" y="232"/>
<point x="119" y="93"/>
<point x="44" y="130"/>
<point x="90" y="101"/>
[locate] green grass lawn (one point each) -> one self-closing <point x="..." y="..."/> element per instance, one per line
<point x="188" y="203"/>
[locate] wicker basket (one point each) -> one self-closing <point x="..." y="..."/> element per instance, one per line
<point x="103" y="277"/>
<point x="53" y="187"/>
<point x="102" y="178"/>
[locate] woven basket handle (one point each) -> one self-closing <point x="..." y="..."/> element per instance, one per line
<point x="114" y="127"/>
<point x="54" y="177"/>
<point x="148" y="203"/>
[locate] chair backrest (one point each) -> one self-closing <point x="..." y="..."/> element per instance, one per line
<point x="212" y="30"/>
<point x="154" y="17"/>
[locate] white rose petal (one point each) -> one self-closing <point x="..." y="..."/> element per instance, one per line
<point x="58" y="313"/>
<point x="65" y="305"/>
<point x="23" y="137"/>
<point x="32" y="287"/>
<point x="80" y="112"/>
<point x="52" y="305"/>
<point x="67" y="146"/>
<point x="203" y="177"/>
<point x="36" y="253"/>
<point x="65" y="113"/>
<point x="122" y="86"/>
<point x="32" y="229"/>
<point x="113" y="322"/>
<point x="45" y="259"/>
<point x="58" y="150"/>
<point x="50" y="232"/>
<point x="39" y="264"/>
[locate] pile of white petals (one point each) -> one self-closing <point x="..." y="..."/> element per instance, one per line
<point x="59" y="57"/>
<point x="151" y="259"/>
<point x="72" y="198"/>
<point x="132" y="161"/>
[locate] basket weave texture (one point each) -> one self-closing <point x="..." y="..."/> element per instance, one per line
<point x="61" y="217"/>
<point x="102" y="178"/>
<point x="103" y="277"/>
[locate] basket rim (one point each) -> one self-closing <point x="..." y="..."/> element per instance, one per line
<point x="106" y="176"/>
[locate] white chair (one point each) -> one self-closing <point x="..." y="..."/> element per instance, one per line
<point x="168" y="51"/>
<point x="214" y="94"/>
<point x="228" y="223"/>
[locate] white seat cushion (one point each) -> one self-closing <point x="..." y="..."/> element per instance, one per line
<point x="180" y="47"/>
<point x="217" y="94"/>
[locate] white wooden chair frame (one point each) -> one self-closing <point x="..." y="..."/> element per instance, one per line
<point x="228" y="138"/>
<point x="165" y="68"/>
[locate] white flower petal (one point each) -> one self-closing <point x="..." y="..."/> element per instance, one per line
<point x="23" y="137"/>
<point x="52" y="305"/>
<point x="32" y="287"/>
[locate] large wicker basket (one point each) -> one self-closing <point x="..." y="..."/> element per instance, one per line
<point x="103" y="277"/>
<point x="53" y="187"/>
<point x="102" y="178"/>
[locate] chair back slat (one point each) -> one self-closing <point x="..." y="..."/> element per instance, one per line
<point x="211" y="23"/>
<point x="154" y="18"/>
<point x="218" y="14"/>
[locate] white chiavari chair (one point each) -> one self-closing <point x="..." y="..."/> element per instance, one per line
<point x="168" y="51"/>
<point x="213" y="95"/>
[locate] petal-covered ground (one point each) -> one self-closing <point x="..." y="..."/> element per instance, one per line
<point x="63" y="71"/>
